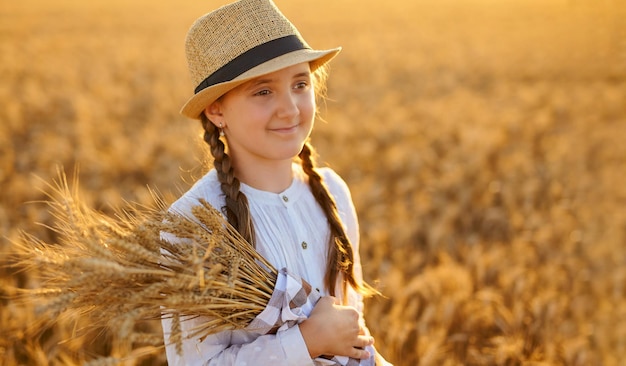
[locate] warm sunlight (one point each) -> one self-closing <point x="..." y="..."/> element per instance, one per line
<point x="482" y="140"/>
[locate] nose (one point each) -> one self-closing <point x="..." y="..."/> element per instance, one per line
<point x="288" y="106"/>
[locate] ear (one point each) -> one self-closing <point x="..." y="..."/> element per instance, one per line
<point x="214" y="113"/>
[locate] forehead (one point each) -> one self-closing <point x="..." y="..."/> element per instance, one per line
<point x="288" y="72"/>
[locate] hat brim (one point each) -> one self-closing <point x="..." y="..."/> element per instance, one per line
<point x="197" y="103"/>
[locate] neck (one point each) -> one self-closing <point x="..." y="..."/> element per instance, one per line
<point x="269" y="176"/>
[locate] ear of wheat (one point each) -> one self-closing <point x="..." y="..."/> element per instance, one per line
<point x="120" y="270"/>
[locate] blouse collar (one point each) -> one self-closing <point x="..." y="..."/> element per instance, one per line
<point x="285" y="198"/>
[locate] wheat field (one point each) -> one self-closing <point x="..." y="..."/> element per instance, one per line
<point x="483" y="142"/>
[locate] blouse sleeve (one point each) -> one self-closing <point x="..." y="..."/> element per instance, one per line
<point x="284" y="348"/>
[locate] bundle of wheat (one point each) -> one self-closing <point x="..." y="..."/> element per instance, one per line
<point x="120" y="270"/>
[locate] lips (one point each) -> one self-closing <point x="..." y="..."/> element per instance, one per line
<point x="285" y="129"/>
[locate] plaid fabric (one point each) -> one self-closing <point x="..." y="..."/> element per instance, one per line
<point x="292" y="300"/>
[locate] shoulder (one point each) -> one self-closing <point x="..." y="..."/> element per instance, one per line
<point x="336" y="185"/>
<point x="206" y="188"/>
<point x="338" y="188"/>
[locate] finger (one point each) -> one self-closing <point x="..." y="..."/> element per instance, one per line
<point x="364" y="341"/>
<point x="359" y="354"/>
<point x="361" y="330"/>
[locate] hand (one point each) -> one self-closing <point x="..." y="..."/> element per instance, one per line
<point x="332" y="329"/>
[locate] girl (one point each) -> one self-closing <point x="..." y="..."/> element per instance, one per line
<point x="257" y="80"/>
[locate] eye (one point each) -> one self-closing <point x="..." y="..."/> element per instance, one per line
<point x="301" y="85"/>
<point x="263" y="92"/>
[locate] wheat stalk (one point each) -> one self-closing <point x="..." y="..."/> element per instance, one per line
<point x="120" y="270"/>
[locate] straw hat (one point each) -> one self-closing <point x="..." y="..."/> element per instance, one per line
<point x="238" y="42"/>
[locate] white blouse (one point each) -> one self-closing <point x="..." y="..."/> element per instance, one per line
<point x="291" y="232"/>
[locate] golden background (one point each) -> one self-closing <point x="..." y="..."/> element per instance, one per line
<point x="483" y="140"/>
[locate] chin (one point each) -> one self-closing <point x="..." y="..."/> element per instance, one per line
<point x="291" y="153"/>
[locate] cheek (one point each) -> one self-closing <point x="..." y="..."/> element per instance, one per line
<point x="309" y="107"/>
<point x="244" y="116"/>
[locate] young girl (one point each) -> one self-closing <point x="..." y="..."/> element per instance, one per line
<point x="257" y="81"/>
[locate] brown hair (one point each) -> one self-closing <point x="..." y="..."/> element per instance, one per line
<point x="237" y="211"/>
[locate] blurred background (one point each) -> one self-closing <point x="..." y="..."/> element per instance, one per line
<point x="483" y="142"/>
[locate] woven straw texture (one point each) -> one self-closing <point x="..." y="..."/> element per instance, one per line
<point x="218" y="37"/>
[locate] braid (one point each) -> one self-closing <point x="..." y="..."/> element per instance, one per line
<point x="236" y="209"/>
<point x="340" y="255"/>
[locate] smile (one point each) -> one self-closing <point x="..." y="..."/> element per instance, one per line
<point x="285" y="129"/>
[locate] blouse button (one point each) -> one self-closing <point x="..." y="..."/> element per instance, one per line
<point x="285" y="198"/>
<point x="304" y="245"/>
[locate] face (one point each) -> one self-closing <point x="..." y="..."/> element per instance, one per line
<point x="269" y="118"/>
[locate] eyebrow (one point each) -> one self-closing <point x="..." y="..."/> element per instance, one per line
<point x="302" y="74"/>
<point x="256" y="82"/>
